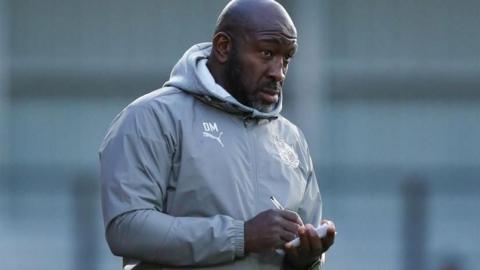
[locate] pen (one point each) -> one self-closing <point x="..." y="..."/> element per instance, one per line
<point x="321" y="230"/>
<point x="276" y="203"/>
<point x="279" y="206"/>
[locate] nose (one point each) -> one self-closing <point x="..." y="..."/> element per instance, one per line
<point x="277" y="69"/>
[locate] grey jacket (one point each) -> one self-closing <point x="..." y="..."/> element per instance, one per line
<point x="183" y="167"/>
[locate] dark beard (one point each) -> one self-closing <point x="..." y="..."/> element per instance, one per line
<point x="234" y="75"/>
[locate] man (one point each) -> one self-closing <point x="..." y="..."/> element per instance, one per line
<point x="188" y="170"/>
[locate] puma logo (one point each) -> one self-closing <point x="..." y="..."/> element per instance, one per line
<point x="210" y="128"/>
<point x="218" y="139"/>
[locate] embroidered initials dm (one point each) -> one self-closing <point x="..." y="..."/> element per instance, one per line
<point x="210" y="130"/>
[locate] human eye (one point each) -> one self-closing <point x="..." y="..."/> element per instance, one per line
<point x="266" y="53"/>
<point x="289" y="56"/>
<point x="287" y="59"/>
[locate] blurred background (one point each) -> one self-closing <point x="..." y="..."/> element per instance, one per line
<point x="387" y="93"/>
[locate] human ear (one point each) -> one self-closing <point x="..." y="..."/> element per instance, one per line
<point x="221" y="46"/>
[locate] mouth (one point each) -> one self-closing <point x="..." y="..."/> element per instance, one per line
<point x="269" y="96"/>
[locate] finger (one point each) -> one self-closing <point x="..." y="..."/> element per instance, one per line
<point x="329" y="223"/>
<point x="292" y="216"/>
<point x="329" y="239"/>
<point x="294" y="243"/>
<point x="314" y="238"/>
<point x="278" y="242"/>
<point x="287" y="236"/>
<point x="292" y="250"/>
<point x="304" y="241"/>
<point x="290" y="226"/>
<point x="331" y="230"/>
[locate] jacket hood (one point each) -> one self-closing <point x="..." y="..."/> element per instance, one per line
<point x="191" y="75"/>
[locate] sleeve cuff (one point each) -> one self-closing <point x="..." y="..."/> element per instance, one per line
<point x="238" y="238"/>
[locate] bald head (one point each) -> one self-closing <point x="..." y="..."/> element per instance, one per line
<point x="242" y="17"/>
<point x="253" y="44"/>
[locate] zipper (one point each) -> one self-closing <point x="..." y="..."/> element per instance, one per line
<point x="252" y="146"/>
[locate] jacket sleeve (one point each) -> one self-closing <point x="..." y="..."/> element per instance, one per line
<point x="136" y="165"/>
<point x="310" y="209"/>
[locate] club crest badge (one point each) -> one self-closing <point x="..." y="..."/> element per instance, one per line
<point x="286" y="153"/>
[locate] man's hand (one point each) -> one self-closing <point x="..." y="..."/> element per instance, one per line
<point x="271" y="229"/>
<point x="311" y="245"/>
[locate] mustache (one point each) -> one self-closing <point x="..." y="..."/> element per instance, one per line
<point x="274" y="86"/>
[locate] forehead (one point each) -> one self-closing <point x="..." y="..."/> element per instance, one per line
<point x="276" y="28"/>
<point x="274" y="36"/>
